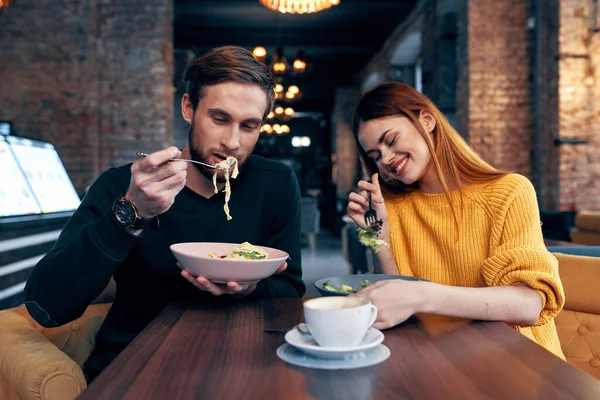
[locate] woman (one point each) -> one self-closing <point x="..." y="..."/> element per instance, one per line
<point x="449" y="217"/>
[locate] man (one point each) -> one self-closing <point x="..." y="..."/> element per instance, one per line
<point x="132" y="214"/>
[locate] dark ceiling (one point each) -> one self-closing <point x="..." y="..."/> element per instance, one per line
<point x="338" y="42"/>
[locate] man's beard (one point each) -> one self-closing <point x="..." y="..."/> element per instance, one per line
<point x="198" y="155"/>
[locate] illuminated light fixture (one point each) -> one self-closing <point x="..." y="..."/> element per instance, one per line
<point x="285" y="129"/>
<point x="300" y="141"/>
<point x="289" y="112"/>
<point x="279" y="110"/>
<point x="299" y="6"/>
<point x="294" y="89"/>
<point x="267" y="128"/>
<point x="290" y="95"/>
<point x="271" y="115"/>
<point x="279" y="63"/>
<point x="279" y="67"/>
<point x="299" y="63"/>
<point x="278" y="88"/>
<point x="259" y="52"/>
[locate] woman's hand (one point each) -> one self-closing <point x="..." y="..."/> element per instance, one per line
<point x="358" y="203"/>
<point x="396" y="300"/>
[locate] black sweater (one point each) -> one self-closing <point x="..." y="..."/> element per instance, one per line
<point x="92" y="248"/>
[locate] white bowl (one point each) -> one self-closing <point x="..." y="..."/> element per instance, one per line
<point x="193" y="257"/>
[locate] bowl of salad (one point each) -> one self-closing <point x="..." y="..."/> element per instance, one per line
<point x="347" y="284"/>
<point x="223" y="262"/>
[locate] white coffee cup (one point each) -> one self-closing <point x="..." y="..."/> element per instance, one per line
<point x="339" y="321"/>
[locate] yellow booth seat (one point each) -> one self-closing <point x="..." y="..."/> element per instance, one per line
<point x="587" y="228"/>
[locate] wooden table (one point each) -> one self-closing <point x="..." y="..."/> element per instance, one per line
<point x="223" y="352"/>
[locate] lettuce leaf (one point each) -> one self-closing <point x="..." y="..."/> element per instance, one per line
<point x="370" y="237"/>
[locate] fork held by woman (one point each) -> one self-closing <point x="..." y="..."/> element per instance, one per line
<point x="367" y="206"/>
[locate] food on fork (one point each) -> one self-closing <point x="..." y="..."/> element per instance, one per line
<point x="225" y="165"/>
<point x="370" y="237"/>
<point x="245" y="251"/>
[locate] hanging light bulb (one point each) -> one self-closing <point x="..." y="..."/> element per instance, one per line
<point x="271" y="115"/>
<point x="279" y="110"/>
<point x="289" y="112"/>
<point x="279" y="64"/>
<point x="259" y="52"/>
<point x="299" y="63"/>
<point x="267" y="128"/>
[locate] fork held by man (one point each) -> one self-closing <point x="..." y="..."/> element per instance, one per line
<point x="155" y="182"/>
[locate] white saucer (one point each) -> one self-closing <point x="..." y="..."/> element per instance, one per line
<point x="367" y="358"/>
<point x="308" y="345"/>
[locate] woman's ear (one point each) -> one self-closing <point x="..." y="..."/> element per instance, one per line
<point x="187" y="110"/>
<point x="427" y="121"/>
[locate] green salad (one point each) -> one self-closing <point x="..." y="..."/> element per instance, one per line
<point x="370" y="237"/>
<point x="345" y="288"/>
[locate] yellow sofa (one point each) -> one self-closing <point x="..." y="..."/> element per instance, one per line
<point x="578" y="324"/>
<point x="45" y="363"/>
<point x="587" y="228"/>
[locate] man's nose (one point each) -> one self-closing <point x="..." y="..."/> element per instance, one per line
<point x="231" y="140"/>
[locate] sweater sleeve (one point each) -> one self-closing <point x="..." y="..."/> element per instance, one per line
<point x="88" y="251"/>
<point x="521" y="256"/>
<point x="285" y="235"/>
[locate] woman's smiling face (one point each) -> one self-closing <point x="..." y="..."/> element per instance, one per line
<point x="398" y="148"/>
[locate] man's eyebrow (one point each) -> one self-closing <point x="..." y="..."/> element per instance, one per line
<point x="258" y="121"/>
<point x="381" y="139"/>
<point x="219" y="111"/>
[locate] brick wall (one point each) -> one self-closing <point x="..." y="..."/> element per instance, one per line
<point x="579" y="106"/>
<point x="499" y="116"/>
<point x="92" y="77"/>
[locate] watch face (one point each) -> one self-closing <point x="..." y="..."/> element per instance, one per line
<point x="124" y="213"/>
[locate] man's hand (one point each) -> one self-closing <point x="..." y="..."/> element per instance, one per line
<point x="155" y="182"/>
<point x="219" y="289"/>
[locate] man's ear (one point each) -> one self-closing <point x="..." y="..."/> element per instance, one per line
<point x="187" y="110"/>
<point x="427" y="121"/>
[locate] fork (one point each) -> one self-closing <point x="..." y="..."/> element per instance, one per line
<point x="181" y="159"/>
<point x="370" y="215"/>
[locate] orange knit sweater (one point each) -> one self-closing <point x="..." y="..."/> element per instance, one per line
<point x="499" y="242"/>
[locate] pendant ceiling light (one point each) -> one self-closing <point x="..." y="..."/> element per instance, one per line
<point x="299" y="6"/>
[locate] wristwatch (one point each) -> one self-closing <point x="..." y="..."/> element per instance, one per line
<point x="126" y="215"/>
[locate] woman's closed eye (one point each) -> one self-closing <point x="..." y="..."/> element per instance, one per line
<point x="375" y="156"/>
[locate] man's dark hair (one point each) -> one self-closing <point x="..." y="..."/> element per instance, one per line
<point x="227" y="64"/>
